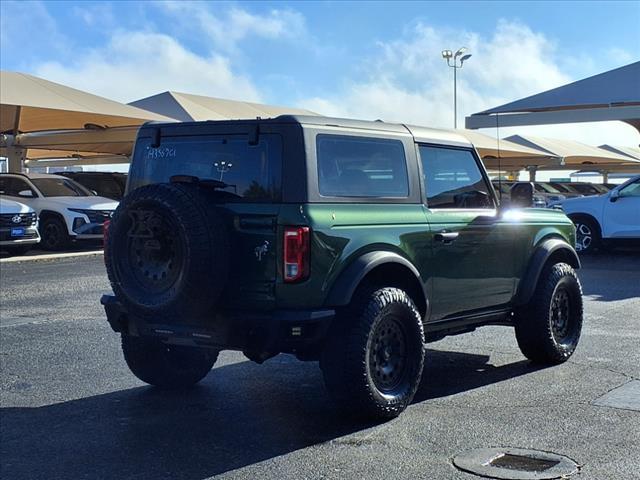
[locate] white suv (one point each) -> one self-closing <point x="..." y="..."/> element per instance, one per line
<point x="611" y="216"/>
<point x="67" y="210"/>
<point x="18" y="227"/>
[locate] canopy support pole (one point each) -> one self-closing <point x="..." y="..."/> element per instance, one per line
<point x="532" y="173"/>
<point x="605" y="176"/>
<point x="15" y="155"/>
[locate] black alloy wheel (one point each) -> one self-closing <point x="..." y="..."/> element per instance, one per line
<point x="388" y="354"/>
<point x="156" y="257"/>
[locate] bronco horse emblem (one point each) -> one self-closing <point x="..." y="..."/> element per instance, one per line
<point x="261" y="250"/>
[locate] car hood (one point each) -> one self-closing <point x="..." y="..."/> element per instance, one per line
<point x="572" y="205"/>
<point x="85" y="203"/>
<point x="9" y="206"/>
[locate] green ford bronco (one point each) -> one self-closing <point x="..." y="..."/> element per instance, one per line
<point x="350" y="243"/>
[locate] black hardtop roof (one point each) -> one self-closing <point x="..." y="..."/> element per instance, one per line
<point x="420" y="133"/>
<point x="290" y="119"/>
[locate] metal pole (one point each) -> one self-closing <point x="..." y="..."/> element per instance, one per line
<point x="455" y="95"/>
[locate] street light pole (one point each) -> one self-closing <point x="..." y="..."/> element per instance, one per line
<point x="455" y="61"/>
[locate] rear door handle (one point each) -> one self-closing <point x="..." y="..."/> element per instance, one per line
<point x="446" y="237"/>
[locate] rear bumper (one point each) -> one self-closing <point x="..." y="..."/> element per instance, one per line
<point x="277" y="331"/>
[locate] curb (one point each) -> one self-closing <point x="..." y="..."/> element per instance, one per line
<point x="50" y="256"/>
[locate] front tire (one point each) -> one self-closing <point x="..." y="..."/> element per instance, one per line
<point x="166" y="366"/>
<point x="54" y="234"/>
<point x="372" y="362"/>
<point x="548" y="328"/>
<point x="588" y="235"/>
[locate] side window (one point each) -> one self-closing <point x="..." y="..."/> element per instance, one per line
<point x="11" y="186"/>
<point x="361" y="167"/>
<point x="631" y="190"/>
<point x="452" y="179"/>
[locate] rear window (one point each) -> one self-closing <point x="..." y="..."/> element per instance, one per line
<point x="253" y="173"/>
<point x="361" y="167"/>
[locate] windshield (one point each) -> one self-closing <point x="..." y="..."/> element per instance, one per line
<point x="60" y="187"/>
<point x="548" y="188"/>
<point x="252" y="173"/>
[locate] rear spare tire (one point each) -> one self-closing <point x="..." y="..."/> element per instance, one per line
<point x="167" y="252"/>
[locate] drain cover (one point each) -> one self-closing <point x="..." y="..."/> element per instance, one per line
<point x="515" y="464"/>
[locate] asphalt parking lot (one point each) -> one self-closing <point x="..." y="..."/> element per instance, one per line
<point x="71" y="409"/>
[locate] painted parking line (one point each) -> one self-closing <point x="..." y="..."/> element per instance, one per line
<point x="50" y="256"/>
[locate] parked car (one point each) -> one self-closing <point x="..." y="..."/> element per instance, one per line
<point x="106" y="184"/>
<point x="503" y="189"/>
<point x="566" y="189"/>
<point x="18" y="227"/>
<point x="348" y="242"/>
<point x="67" y="211"/>
<point x="588" y="188"/>
<point x="549" y="193"/>
<point x="609" y="217"/>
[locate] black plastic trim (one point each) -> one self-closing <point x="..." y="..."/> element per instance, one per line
<point x="541" y="254"/>
<point x="347" y="283"/>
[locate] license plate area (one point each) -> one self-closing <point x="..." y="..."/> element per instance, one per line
<point x="17" y="232"/>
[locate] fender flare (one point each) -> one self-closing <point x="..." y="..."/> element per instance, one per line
<point x="349" y="279"/>
<point x="542" y="253"/>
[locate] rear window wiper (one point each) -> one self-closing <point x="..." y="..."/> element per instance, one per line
<point x="205" y="182"/>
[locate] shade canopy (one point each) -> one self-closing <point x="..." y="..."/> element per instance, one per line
<point x="186" y="107"/>
<point x="29" y="104"/>
<point x="633" y="153"/>
<point x="573" y="154"/>
<point x="506" y="155"/>
<point x="612" y="95"/>
<point x="113" y="141"/>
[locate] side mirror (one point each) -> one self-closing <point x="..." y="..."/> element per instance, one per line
<point x="26" y="194"/>
<point x="614" y="196"/>
<point x="522" y="195"/>
<point x="94" y="192"/>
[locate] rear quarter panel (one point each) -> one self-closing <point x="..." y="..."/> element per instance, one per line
<point x="343" y="232"/>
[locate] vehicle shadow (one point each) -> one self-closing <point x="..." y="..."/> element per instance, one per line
<point x="240" y="415"/>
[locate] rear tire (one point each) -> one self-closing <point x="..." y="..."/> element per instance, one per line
<point x="166" y="366"/>
<point x="372" y="362"/>
<point x="548" y="328"/>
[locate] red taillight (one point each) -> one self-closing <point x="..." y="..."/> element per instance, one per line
<point x="296" y="253"/>
<point x="105" y="237"/>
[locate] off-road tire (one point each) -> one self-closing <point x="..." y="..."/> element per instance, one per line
<point x="167" y="252"/>
<point x="54" y="234"/>
<point x="166" y="366"/>
<point x="588" y="234"/>
<point x="379" y="322"/>
<point x="548" y="327"/>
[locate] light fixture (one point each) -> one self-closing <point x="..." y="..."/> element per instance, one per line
<point x="458" y="60"/>
<point x="460" y="51"/>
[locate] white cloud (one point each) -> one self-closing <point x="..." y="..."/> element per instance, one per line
<point x="137" y="64"/>
<point x="226" y="28"/>
<point x="408" y="81"/>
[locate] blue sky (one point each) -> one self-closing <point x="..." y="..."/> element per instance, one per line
<point x="356" y="59"/>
